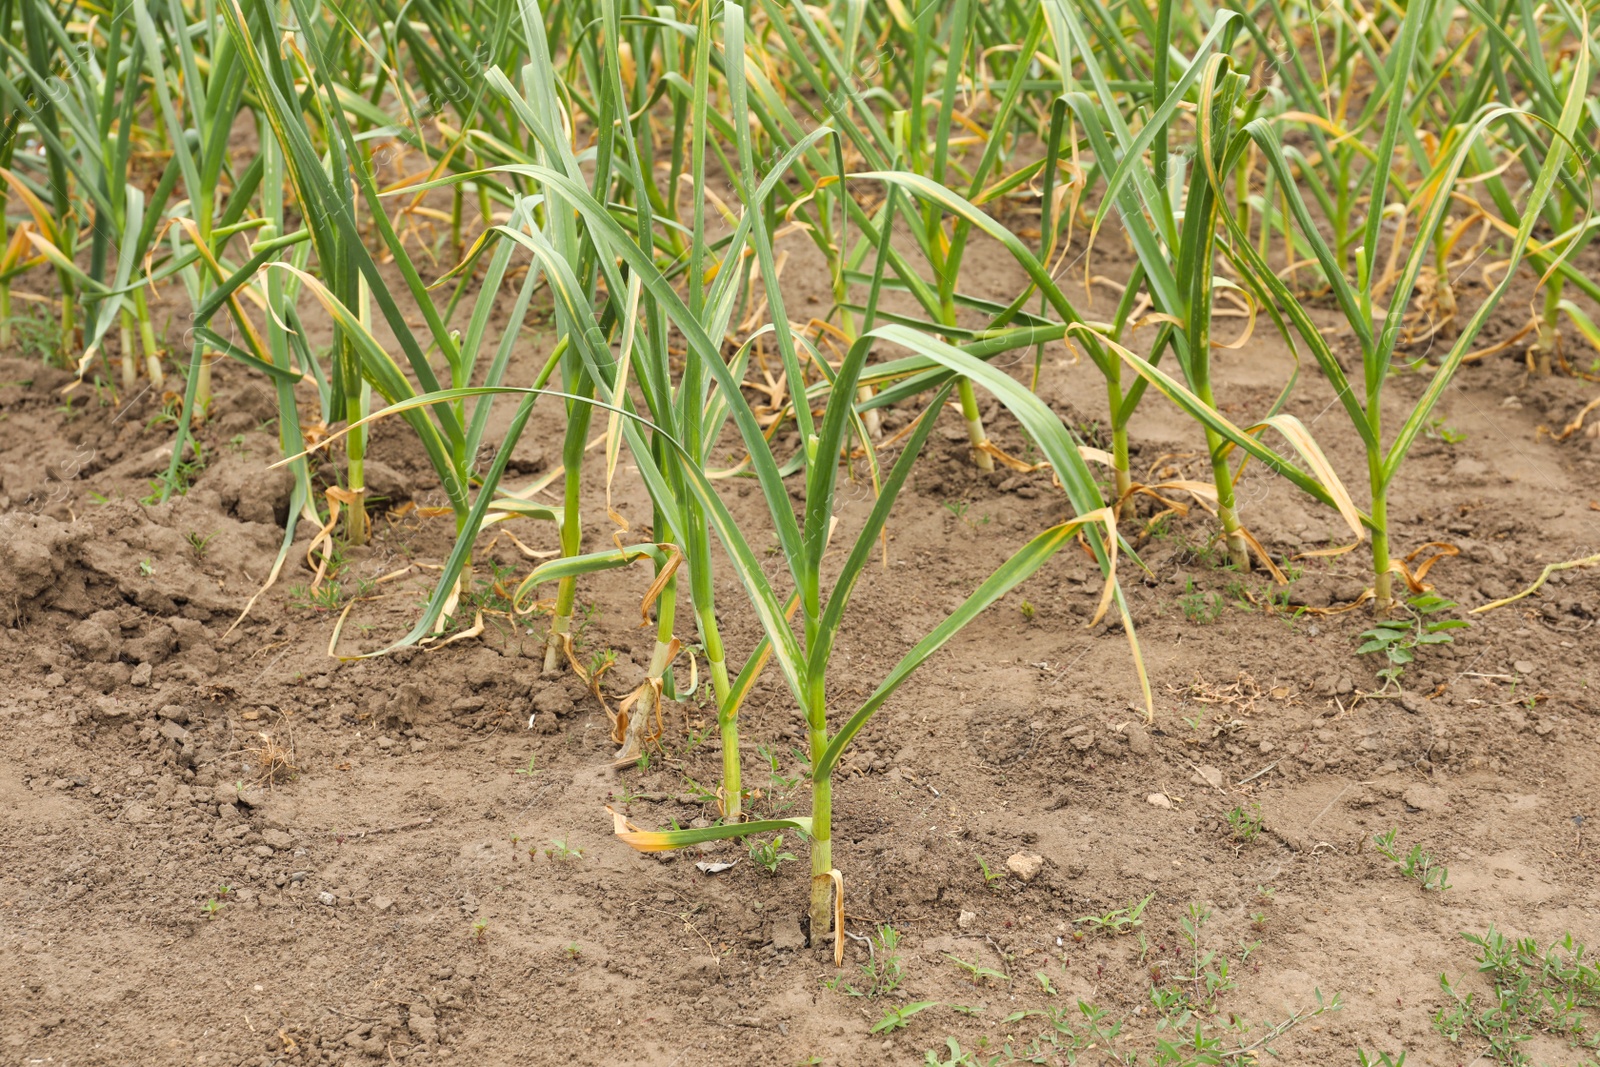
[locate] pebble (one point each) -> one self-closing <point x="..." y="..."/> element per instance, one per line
<point x="1025" y="865"/>
<point x="327" y="899"/>
<point x="1426" y="797"/>
<point x="1523" y="666"/>
<point x="1159" y="800"/>
<point x="786" y="936"/>
<point x="966" y="919"/>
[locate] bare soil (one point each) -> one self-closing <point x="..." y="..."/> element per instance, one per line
<point x="434" y="879"/>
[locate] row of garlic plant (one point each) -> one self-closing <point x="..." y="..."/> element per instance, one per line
<point x="574" y="137"/>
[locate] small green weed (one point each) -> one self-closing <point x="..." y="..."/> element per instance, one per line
<point x="770" y="854"/>
<point x="1245" y="823"/>
<point x="199" y="545"/>
<point x="559" y="849"/>
<point x="1398" y="639"/>
<point x="1200" y="607"/>
<point x="1417" y="864"/>
<point x="1120" y="921"/>
<point x="884" y="970"/>
<point x="897" y="1018"/>
<point x="976" y="973"/>
<point x="217" y="901"/>
<point x="1537" y="990"/>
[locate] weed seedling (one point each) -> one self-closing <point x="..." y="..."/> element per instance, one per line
<point x="1245" y="823"/>
<point x="1440" y="432"/>
<point x="326" y="597"/>
<point x="976" y="973"/>
<point x="1120" y="921"/>
<point x="884" y="970"/>
<point x="990" y="875"/>
<point x="560" y="850"/>
<point x="1537" y="990"/>
<point x="480" y="931"/>
<point x="896" y="1018"/>
<point x="146" y="568"/>
<point x="1379" y="1059"/>
<point x="1398" y="639"/>
<point x="769" y="854"/>
<point x="1200" y="607"/>
<point x="1422" y="866"/>
<point x="199" y="545"/>
<point x="960" y="511"/>
<point x="217" y="902"/>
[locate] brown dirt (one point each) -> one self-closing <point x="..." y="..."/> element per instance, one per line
<point x="137" y="729"/>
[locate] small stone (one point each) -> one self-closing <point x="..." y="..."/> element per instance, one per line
<point x="422" y="1024"/>
<point x="141" y="675"/>
<point x="1426" y="797"/>
<point x="1523" y="666"/>
<point x="1159" y="800"/>
<point x="237" y="792"/>
<point x="1266" y="746"/>
<point x="1207" y="775"/>
<point x="966" y="919"/>
<point x="327" y="899"/>
<point x="1025" y="865"/>
<point x="786" y="936"/>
